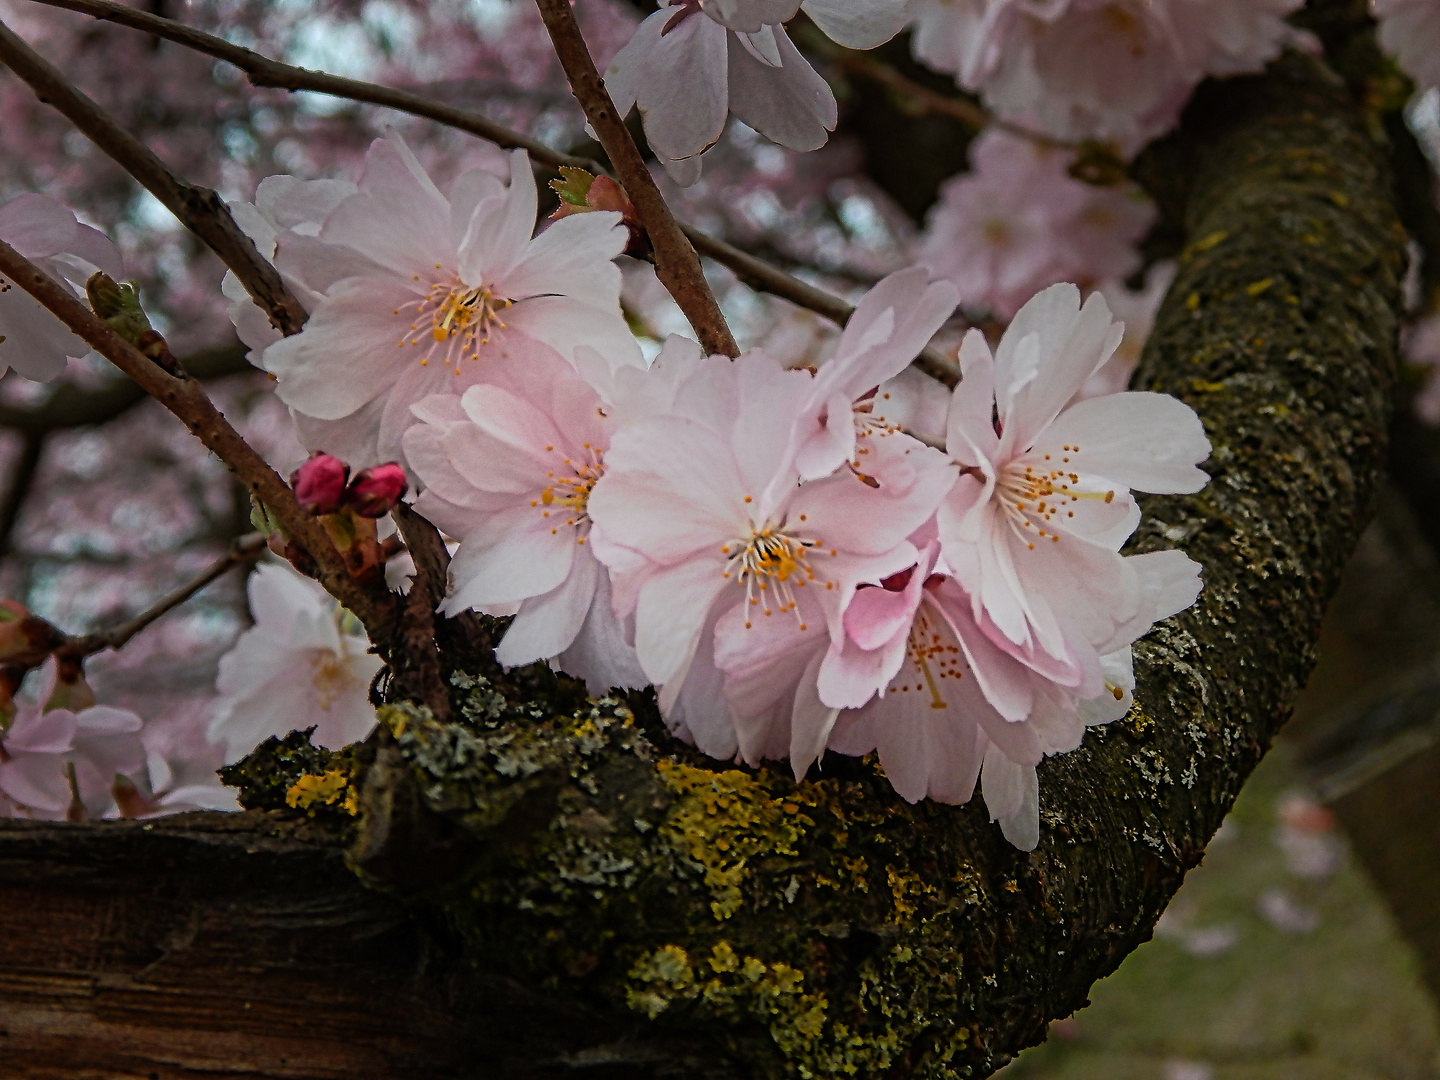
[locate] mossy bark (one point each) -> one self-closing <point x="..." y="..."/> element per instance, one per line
<point x="630" y="909"/>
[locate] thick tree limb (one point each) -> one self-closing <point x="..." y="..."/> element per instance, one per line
<point x="185" y="398"/>
<point x="201" y="210"/>
<point x="676" y="263"/>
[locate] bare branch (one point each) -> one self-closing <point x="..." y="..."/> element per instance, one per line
<point x="242" y="550"/>
<point x="264" y="72"/>
<point x="70" y="406"/>
<point x="184" y="397"/>
<point x="675" y="260"/>
<point x="271" y="74"/>
<point x="201" y="210"/>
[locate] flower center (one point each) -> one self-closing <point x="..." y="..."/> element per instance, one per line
<point x="454" y="320"/>
<point x="1034" y="495"/>
<point x="936" y="656"/>
<point x="772" y="564"/>
<point x="330" y="677"/>
<point x="567" y="491"/>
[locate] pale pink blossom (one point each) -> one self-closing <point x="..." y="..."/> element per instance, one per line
<point x="702" y="522"/>
<point x="1136" y="310"/>
<point x="1119" y="70"/>
<point x="507" y="469"/>
<point x="32" y="340"/>
<point x="1421" y="344"/>
<point x="1018" y="222"/>
<point x="1033" y="528"/>
<point x="1410" y="31"/>
<point x="62" y="764"/>
<point x="282" y="204"/>
<point x="891" y="324"/>
<point x="422" y="294"/>
<point x="686" y="72"/>
<point x="306" y="662"/>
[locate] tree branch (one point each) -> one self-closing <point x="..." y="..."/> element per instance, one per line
<point x="201" y="210"/>
<point x="243" y="550"/>
<point x="70" y="406"/>
<point x="676" y="263"/>
<point x="185" y="398"/>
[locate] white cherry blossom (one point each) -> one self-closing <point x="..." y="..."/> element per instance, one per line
<point x="305" y="662"/>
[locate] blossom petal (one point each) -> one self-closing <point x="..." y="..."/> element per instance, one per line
<point x="1149" y="442"/>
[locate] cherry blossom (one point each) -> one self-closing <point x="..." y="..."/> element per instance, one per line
<point x="304" y="662"/>
<point x="62" y="764"/>
<point x="1032" y="529"/>
<point x="1109" y="69"/>
<point x="1410" y="29"/>
<point x="891" y="324"/>
<point x="1136" y="309"/>
<point x="686" y="72"/>
<point x="701" y="521"/>
<point x="32" y="340"/>
<point x="422" y="294"/>
<point x="1018" y="222"/>
<point x="507" y="469"/>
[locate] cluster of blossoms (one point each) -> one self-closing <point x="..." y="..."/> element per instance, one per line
<point x="768" y="546"/>
<point x="1116" y="70"/>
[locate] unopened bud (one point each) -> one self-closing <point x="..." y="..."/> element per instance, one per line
<point x="375" y="491"/>
<point x="582" y="193"/>
<point x="320" y="483"/>
<point x="118" y="304"/>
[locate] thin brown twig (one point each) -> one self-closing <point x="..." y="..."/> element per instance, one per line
<point x="22" y="478"/>
<point x="272" y="74"/>
<point x="676" y="263"/>
<point x="185" y="398"/>
<point x="242" y="550"/>
<point x="200" y="209"/>
<point x="264" y="72"/>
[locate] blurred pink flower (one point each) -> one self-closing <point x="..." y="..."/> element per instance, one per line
<point x="1018" y="222"/>
<point x="32" y="340"/>
<point x="39" y="749"/>
<point x="1410" y="30"/>
<point x="1117" y="70"/>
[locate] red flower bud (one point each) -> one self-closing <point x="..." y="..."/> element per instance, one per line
<point x="320" y="483"/>
<point x="375" y="491"/>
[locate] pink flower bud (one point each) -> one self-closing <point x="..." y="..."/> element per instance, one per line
<point x="320" y="483"/>
<point x="375" y="491"/>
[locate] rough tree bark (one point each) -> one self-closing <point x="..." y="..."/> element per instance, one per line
<point x="571" y="894"/>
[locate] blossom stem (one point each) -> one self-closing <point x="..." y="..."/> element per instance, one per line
<point x="264" y="72"/>
<point x="676" y="263"/>
<point x="200" y="209"/>
<point x="185" y="398"/>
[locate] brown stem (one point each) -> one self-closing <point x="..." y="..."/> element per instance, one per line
<point x="675" y="260"/>
<point x="264" y="72"/>
<point x="242" y="550"/>
<point x="185" y="398"/>
<point x="201" y="210"/>
<point x="32" y="448"/>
